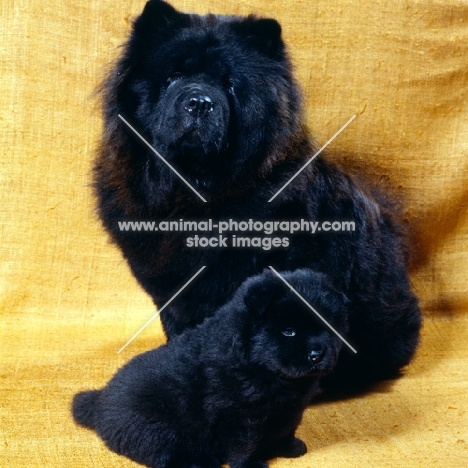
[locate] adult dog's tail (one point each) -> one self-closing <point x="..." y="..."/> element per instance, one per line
<point x="84" y="408"/>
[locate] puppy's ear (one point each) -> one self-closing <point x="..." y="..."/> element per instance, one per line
<point x="262" y="291"/>
<point x="158" y="16"/>
<point x="336" y="297"/>
<point x="264" y="34"/>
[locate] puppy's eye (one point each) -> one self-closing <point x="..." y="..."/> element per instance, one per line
<point x="174" y="77"/>
<point x="289" y="332"/>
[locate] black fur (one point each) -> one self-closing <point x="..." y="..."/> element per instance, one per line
<point x="216" y="96"/>
<point x="231" y="390"/>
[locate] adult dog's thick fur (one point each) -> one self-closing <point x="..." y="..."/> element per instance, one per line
<point x="231" y="390"/>
<point x="216" y="97"/>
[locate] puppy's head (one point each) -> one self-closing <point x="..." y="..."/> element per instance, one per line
<point x="288" y="337"/>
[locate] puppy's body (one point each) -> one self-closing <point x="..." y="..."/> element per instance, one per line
<point x="215" y="95"/>
<point x="231" y="390"/>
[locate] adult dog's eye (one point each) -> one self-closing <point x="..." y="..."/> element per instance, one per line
<point x="229" y="85"/>
<point x="289" y="332"/>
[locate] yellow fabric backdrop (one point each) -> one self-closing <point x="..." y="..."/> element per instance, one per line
<point x="68" y="301"/>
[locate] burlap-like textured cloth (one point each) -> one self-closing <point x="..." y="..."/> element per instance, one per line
<point x="68" y="299"/>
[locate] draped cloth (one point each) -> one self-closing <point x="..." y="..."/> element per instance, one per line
<point x="68" y="300"/>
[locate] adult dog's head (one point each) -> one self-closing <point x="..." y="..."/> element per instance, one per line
<point x="214" y="95"/>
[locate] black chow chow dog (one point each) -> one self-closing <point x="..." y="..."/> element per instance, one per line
<point x="231" y="390"/>
<point x="216" y="97"/>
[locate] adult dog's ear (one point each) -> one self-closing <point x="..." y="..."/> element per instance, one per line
<point x="261" y="291"/>
<point x="158" y="16"/>
<point x="264" y="34"/>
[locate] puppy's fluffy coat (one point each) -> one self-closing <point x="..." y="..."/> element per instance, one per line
<point x="231" y="390"/>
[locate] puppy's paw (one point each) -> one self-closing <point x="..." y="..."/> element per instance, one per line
<point x="250" y="464"/>
<point x="204" y="462"/>
<point x="290" y="447"/>
<point x="293" y="449"/>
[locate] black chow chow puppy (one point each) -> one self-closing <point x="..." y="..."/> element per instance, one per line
<point x="231" y="390"/>
<point x="216" y="97"/>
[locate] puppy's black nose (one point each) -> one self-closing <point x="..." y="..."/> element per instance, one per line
<point x="316" y="355"/>
<point x="199" y="105"/>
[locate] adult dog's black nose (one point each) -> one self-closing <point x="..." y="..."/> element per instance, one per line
<point x="316" y="354"/>
<point x="199" y="105"/>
